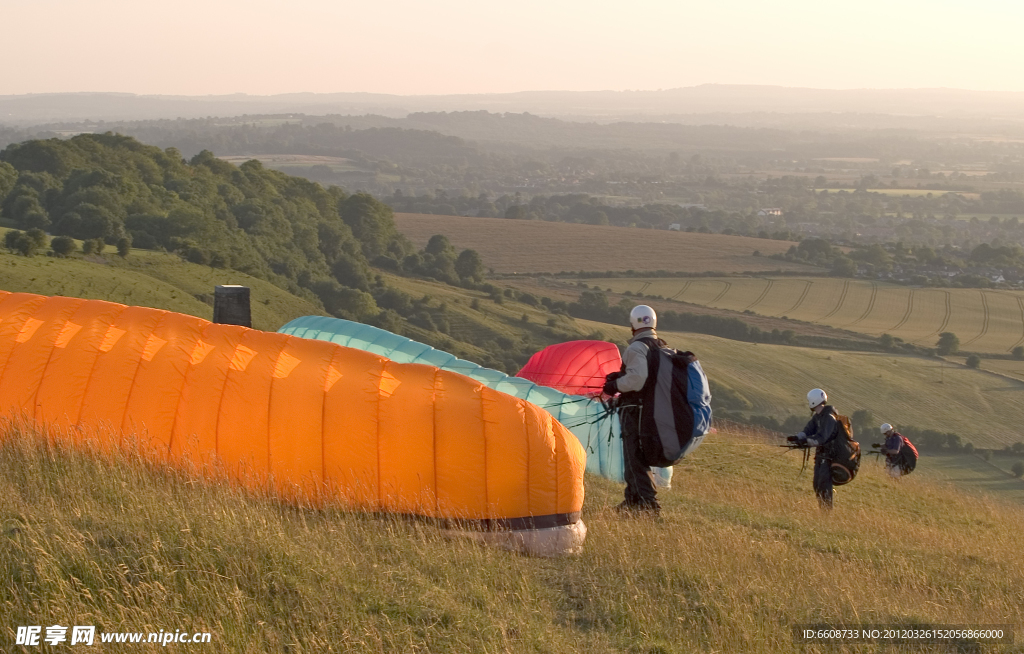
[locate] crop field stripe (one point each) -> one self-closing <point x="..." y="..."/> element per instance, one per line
<point x="763" y="294"/>
<point x="839" y="304"/>
<point x="686" y="285"/>
<point x="803" y="296"/>
<point x="871" y="305"/>
<point x="984" y="323"/>
<point x="1020" y="303"/>
<point x="949" y="312"/>
<point x="910" y="310"/>
<point x="728" y="286"/>
<point x="644" y="287"/>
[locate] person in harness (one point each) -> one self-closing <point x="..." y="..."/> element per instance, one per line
<point x="820" y="432"/>
<point x="900" y="454"/>
<point x="641" y="495"/>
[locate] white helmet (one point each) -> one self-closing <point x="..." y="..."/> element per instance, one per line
<point x="815" y="397"/>
<point x="643" y="317"/>
<point x="885" y="428"/>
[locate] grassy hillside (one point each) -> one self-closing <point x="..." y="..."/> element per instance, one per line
<point x="982" y="408"/>
<point x="740" y="555"/>
<point x="149" y="279"/>
<point x="529" y="246"/>
<point x="984" y="320"/>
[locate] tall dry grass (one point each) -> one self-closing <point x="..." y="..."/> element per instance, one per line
<point x="741" y="554"/>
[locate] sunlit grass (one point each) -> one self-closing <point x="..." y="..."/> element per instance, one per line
<point x="741" y="553"/>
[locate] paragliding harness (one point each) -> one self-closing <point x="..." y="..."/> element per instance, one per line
<point x="906" y="460"/>
<point x="908" y="456"/>
<point x="675" y="404"/>
<point x="842" y="451"/>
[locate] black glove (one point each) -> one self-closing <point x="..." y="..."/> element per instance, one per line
<point x="610" y="388"/>
<point x="792" y="439"/>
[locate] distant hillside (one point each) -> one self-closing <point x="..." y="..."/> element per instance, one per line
<point x="703" y="99"/>
<point x="985" y="320"/>
<point x="925" y="392"/>
<point x="529" y="246"/>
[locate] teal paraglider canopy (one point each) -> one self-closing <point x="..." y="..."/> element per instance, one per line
<point x="587" y="418"/>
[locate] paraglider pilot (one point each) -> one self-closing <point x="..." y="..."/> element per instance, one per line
<point x="819" y="433"/>
<point x="641" y="496"/>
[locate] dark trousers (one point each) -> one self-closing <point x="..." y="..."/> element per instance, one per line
<point x="640" y="489"/>
<point x="823" y="481"/>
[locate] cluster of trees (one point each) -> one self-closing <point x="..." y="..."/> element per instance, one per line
<point x="314" y="242"/>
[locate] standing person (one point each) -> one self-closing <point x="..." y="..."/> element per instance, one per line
<point x="900" y="454"/>
<point x="641" y="495"/>
<point x="819" y="433"/>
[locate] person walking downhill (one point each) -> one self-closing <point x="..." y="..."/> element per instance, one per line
<point x="900" y="453"/>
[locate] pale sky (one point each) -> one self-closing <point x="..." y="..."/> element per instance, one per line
<point x="199" y="47"/>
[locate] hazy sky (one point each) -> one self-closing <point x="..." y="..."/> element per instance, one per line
<point x="456" y="46"/>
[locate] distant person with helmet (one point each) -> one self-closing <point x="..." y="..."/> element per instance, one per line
<point x="900" y="454"/>
<point x="819" y="433"/>
<point x="641" y="496"/>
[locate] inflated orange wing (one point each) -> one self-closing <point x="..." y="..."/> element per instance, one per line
<point x="307" y="415"/>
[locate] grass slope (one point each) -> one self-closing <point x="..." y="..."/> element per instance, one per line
<point x="984" y="320"/>
<point x="148" y="279"/>
<point x="902" y="389"/>
<point x="741" y="554"/>
<point x="526" y="246"/>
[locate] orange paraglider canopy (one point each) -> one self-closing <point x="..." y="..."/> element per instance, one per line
<point x="308" y="416"/>
<point x="574" y="367"/>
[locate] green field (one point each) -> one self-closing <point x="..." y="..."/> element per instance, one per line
<point x="918" y="192"/>
<point x="984" y="320"/>
<point x="148" y="279"/>
<point x="535" y="246"/>
<point x="973" y="472"/>
<point x="982" y="408"/>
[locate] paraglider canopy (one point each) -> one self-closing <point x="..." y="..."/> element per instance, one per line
<point x="574" y="367"/>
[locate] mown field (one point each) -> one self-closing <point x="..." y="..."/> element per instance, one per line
<point x="984" y="320"/>
<point x="284" y="162"/>
<point x="740" y="555"/>
<point x="982" y="408"/>
<point x="148" y="279"/>
<point x="974" y="472"/>
<point x="526" y="246"/>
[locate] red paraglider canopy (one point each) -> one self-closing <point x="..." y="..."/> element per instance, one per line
<point x="575" y="367"/>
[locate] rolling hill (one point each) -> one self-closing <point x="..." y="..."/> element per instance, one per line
<point x="902" y="389"/>
<point x="985" y="320"/>
<point x="149" y="279"/>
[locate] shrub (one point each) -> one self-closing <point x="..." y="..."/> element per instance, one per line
<point x="973" y="361"/>
<point x="63" y="245"/>
<point x="1017" y="469"/>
